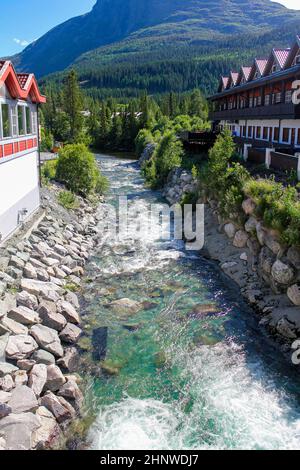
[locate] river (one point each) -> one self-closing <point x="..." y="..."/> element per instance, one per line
<point x="185" y="381"/>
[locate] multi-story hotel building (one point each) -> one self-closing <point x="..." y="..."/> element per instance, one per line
<point x="19" y="162"/>
<point x="257" y="102"/>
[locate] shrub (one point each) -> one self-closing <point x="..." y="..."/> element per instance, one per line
<point x="102" y="184"/>
<point x="167" y="155"/>
<point x="68" y="200"/>
<point x="143" y="138"/>
<point x="49" y="170"/>
<point x="77" y="169"/>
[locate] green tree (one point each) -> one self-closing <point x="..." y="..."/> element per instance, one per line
<point x="73" y="105"/>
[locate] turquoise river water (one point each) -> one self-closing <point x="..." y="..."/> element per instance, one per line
<point x="185" y="381"/>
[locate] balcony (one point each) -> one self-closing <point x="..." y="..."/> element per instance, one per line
<point x="275" y="111"/>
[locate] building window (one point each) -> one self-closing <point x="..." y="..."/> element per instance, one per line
<point x="288" y="96"/>
<point x="14" y="121"/>
<point x="267" y="100"/>
<point x="297" y="60"/>
<point x="250" y="132"/>
<point x="275" y="68"/>
<point x="286" y="133"/>
<point x="244" y="131"/>
<point x="34" y="122"/>
<point x="266" y="133"/>
<point x="258" y="132"/>
<point x="28" y="120"/>
<point x="278" y="98"/>
<point x="298" y="138"/>
<point x="276" y="134"/>
<point x="251" y="102"/>
<point x="21" y="120"/>
<point x="6" y="132"/>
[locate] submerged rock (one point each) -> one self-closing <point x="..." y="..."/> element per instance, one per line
<point x="204" y="310"/>
<point x="126" y="307"/>
<point x="99" y="343"/>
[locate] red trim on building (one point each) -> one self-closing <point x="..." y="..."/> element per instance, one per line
<point x="7" y="150"/>
<point x="20" y="86"/>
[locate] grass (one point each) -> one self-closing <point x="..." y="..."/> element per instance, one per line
<point x="68" y="200"/>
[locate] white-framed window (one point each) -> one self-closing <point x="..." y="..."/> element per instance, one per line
<point x="297" y="58"/>
<point x="250" y="132"/>
<point x="34" y="121"/>
<point x="298" y="138"/>
<point x="275" y="137"/>
<point x="267" y="100"/>
<point x="256" y="75"/>
<point x="277" y="98"/>
<point x="14" y="121"/>
<point x="5" y="121"/>
<point x="275" y="68"/>
<point x="21" y="120"/>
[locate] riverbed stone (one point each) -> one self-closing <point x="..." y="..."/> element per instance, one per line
<point x="30" y="271"/>
<point x="260" y="233"/>
<point x="71" y="391"/>
<point x="4" y="396"/>
<point x="48" y="339"/>
<point x="24" y="315"/>
<point x="282" y="273"/>
<point x="48" y="433"/>
<point x="20" y="347"/>
<point x="16" y="262"/>
<point x="26" y="364"/>
<point x="72" y="298"/>
<point x="293" y="256"/>
<point x="68" y="311"/>
<point x="47" y="290"/>
<point x="7" y="303"/>
<point x="27" y="300"/>
<point x="50" y="317"/>
<point x="20" y="377"/>
<point x="126" y="307"/>
<point x="70" y="334"/>
<point x="59" y="407"/>
<point x="5" y="410"/>
<point x="6" y="368"/>
<point x="23" y="400"/>
<point x="55" y="378"/>
<point x="250" y="225"/>
<point x="38" y="378"/>
<point x="249" y="206"/>
<point x="17" y="430"/>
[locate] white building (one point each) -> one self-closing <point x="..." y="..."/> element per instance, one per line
<point x="19" y="159"/>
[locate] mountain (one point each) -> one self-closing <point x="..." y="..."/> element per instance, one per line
<point x="125" y="29"/>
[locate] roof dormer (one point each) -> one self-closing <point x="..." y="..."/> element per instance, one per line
<point x="223" y="84"/>
<point x="294" y="55"/>
<point x="243" y="75"/>
<point x="257" y="69"/>
<point x="232" y="81"/>
<point x="276" y="61"/>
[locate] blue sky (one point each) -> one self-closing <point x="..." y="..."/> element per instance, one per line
<point x="23" y="21"/>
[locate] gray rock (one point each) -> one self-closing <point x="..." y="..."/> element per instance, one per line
<point x="30" y="271"/>
<point x="6" y="368"/>
<point x="5" y="410"/>
<point x="250" y="225"/>
<point x="293" y="294"/>
<point x="69" y="312"/>
<point x="15" y="272"/>
<point x="48" y="339"/>
<point x="71" y="391"/>
<point x="61" y="250"/>
<point x="13" y="327"/>
<point x="3" y="344"/>
<point x="240" y="239"/>
<point x="126" y="306"/>
<point x="70" y="334"/>
<point x="38" y="378"/>
<point x="59" y="273"/>
<point x="55" y="378"/>
<point x="47" y="290"/>
<point x="26" y="364"/>
<point x="48" y="433"/>
<point x="23" y="400"/>
<point x="43" y="357"/>
<point x="70" y="360"/>
<point x="282" y="273"/>
<point x="272" y="243"/>
<point x="72" y="299"/>
<point x="285" y="329"/>
<point x="260" y="233"/>
<point x="49" y="316"/>
<point x="7" y="304"/>
<point x="230" y="230"/>
<point x="42" y="275"/>
<point x="7" y="383"/>
<point x="24" y="315"/>
<point x="4" y="397"/>
<point x="59" y="407"/>
<point x="20" y="347"/>
<point x="27" y="300"/>
<point x="18" y="430"/>
<point x="249" y="206"/>
<point x="293" y="256"/>
<point x="16" y="262"/>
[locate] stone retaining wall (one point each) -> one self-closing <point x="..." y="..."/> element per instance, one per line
<point x="40" y="326"/>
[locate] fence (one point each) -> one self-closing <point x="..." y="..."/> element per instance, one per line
<point x="273" y="159"/>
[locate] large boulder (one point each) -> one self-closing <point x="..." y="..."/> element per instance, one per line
<point x="20" y="377"/>
<point x="27" y="300"/>
<point x="23" y="400"/>
<point x="294" y="294"/>
<point x="43" y="357"/>
<point x="50" y="317"/>
<point x="48" y="339"/>
<point x="70" y="334"/>
<point x="8" y="302"/>
<point x="230" y="230"/>
<point x="7" y="383"/>
<point x="20" y="347"/>
<point x="55" y="378"/>
<point x="6" y="368"/>
<point x="24" y="315"/>
<point x="38" y="378"/>
<point x="59" y="407"/>
<point x="240" y="239"/>
<point x="18" y="430"/>
<point x="13" y="327"/>
<point x="282" y="273"/>
<point x="69" y="312"/>
<point x="249" y="206"/>
<point x="46" y="290"/>
<point x="70" y="360"/>
<point x="71" y="391"/>
<point x="126" y="306"/>
<point x="48" y="433"/>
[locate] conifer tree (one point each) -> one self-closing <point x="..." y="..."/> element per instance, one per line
<point x="73" y="105"/>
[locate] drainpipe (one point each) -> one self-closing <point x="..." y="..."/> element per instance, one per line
<point x="39" y="148"/>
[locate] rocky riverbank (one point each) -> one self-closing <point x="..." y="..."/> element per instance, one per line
<point x="266" y="271"/>
<point x="40" y="324"/>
